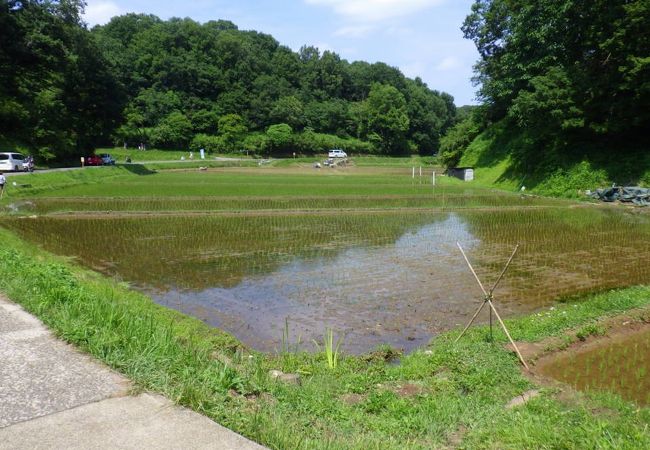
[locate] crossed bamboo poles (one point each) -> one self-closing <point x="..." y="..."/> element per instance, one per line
<point x="487" y="298"/>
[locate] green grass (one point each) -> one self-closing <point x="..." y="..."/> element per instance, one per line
<point x="496" y="156"/>
<point x="139" y="156"/>
<point x="140" y="181"/>
<point x="459" y="390"/>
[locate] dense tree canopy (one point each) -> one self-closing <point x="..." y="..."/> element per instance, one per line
<point x="178" y="83"/>
<point x="564" y="69"/>
<point x="214" y="69"/>
<point x="58" y="94"/>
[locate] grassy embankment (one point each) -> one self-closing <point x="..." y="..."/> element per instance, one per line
<point x="494" y="154"/>
<point x="446" y="395"/>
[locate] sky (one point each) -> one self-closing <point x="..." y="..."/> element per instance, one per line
<point x="420" y="37"/>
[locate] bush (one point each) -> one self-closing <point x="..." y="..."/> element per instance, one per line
<point x="211" y="143"/>
<point x="457" y="139"/>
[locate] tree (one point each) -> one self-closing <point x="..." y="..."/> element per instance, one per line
<point x="232" y="130"/>
<point x="289" y="110"/>
<point x="386" y="118"/>
<point x="279" y="137"/>
<point x="174" y="131"/>
<point x="537" y="52"/>
<point x="58" y="93"/>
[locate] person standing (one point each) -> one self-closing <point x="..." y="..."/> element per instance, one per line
<point x="3" y="180"/>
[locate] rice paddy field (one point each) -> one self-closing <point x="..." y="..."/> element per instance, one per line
<point x="620" y="366"/>
<point x="294" y="261"/>
<point x="369" y="252"/>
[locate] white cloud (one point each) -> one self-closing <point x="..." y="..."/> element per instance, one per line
<point x="354" y="31"/>
<point x="448" y="63"/>
<point x="375" y="10"/>
<point x="99" y="12"/>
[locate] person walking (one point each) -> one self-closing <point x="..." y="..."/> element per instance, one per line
<point x="3" y="180"/>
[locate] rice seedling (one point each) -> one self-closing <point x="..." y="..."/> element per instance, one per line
<point x="620" y="366"/>
<point x="331" y="348"/>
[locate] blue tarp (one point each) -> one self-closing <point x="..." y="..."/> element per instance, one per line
<point x="628" y="194"/>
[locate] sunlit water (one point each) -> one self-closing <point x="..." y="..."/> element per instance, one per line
<point x="394" y="277"/>
<point x="371" y="295"/>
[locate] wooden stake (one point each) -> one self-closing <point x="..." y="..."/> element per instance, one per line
<point x="472" y="269"/>
<point x="487" y="298"/>
<point x="471" y="321"/>
<point x="503" y="325"/>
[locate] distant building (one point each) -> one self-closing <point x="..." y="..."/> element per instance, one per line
<point x="462" y="173"/>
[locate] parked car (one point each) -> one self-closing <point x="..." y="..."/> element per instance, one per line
<point x="107" y="159"/>
<point x="337" y="153"/>
<point x="12" y="161"/>
<point x="94" y="160"/>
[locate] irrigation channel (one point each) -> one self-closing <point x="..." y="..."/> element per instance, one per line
<point x="376" y="277"/>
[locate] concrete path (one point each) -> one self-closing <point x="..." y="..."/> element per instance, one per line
<point x="53" y="396"/>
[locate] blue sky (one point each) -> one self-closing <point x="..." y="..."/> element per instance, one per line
<point x="420" y="37"/>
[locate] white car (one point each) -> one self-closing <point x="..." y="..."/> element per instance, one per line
<point x="12" y="161"/>
<point x="336" y="153"/>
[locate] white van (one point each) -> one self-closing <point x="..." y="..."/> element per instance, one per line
<point x="12" y="161"/>
<point x="337" y="153"/>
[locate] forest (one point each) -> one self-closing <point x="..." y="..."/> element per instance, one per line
<point x="558" y="80"/>
<point x="181" y="84"/>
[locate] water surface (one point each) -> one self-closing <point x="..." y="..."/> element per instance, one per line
<point x="393" y="277"/>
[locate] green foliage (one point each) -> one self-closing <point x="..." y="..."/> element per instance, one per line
<point x="211" y="144"/>
<point x="173" y="131"/>
<point x="385" y="119"/>
<point x="560" y="74"/>
<point x="211" y="69"/>
<point x="58" y="94"/>
<point x="65" y="90"/>
<point x="454" y="143"/>
<point x="232" y="130"/>
<point x="590" y="330"/>
<point x="280" y="137"/>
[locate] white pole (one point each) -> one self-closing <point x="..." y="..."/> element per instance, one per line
<point x="433" y="178"/>
<point x="420" y="170"/>
<point x="413" y="172"/>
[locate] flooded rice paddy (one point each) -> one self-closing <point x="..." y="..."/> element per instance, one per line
<point x="621" y="365"/>
<point x="392" y="275"/>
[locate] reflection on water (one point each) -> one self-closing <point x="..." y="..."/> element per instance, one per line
<point x="399" y="293"/>
<point x="377" y="277"/>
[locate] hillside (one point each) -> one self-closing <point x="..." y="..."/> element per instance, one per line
<point x="178" y="83"/>
<point x="565" y="87"/>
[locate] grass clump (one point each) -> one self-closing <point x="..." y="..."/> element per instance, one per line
<point x="591" y="329"/>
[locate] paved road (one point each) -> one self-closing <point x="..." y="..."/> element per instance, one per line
<point x="65" y="169"/>
<point x="53" y="396"/>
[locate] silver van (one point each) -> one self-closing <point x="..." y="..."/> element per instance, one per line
<point x="11" y="161"/>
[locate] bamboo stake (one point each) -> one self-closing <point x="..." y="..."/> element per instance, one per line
<point x="503" y="325"/>
<point x="488" y="299"/>
<point x="471" y="321"/>
<point x="504" y="269"/>
<point x="472" y="269"/>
